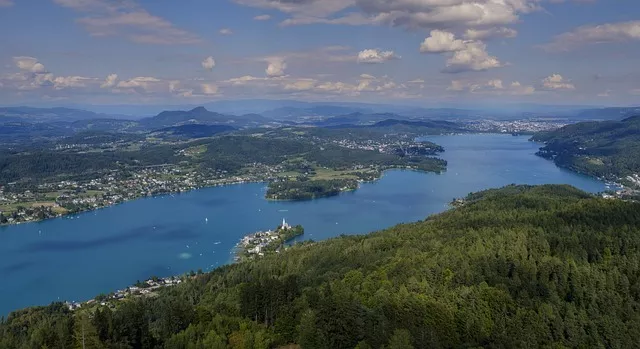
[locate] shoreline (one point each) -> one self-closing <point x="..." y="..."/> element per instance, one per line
<point x="67" y="215"/>
<point x="249" y="181"/>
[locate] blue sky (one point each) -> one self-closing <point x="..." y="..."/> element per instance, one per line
<point x="424" y="52"/>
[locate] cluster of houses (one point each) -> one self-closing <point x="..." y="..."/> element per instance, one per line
<point x="111" y="189"/>
<point x="141" y="289"/>
<point x="255" y="244"/>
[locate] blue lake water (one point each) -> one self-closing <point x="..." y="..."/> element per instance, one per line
<point x="98" y="252"/>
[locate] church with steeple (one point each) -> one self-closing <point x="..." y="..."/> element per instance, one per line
<point x="285" y="225"/>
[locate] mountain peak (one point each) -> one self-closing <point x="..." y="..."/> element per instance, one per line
<point x="199" y="110"/>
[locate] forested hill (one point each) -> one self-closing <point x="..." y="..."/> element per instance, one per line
<point x="609" y="149"/>
<point x="519" y="267"/>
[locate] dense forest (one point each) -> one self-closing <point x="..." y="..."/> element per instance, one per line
<point x="307" y="190"/>
<point x="518" y="267"/>
<point x="609" y="149"/>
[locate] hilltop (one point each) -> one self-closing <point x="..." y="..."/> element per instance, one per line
<point x="607" y="149"/>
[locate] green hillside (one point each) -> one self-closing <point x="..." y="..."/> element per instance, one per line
<point x="609" y="149"/>
<point x="518" y="267"/>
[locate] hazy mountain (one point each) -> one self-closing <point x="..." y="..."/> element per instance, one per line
<point x="617" y="113"/>
<point x="30" y="114"/>
<point x="315" y="111"/>
<point x="201" y="115"/>
<point x="108" y="125"/>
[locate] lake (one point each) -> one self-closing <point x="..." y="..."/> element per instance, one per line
<point x="101" y="251"/>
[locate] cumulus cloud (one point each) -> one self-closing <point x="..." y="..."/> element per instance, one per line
<point x="275" y="67"/>
<point x="110" y="81"/>
<point x="29" y="64"/>
<point x="440" y="42"/>
<point x="376" y="56"/>
<point x="226" y="31"/>
<point x="491" y="87"/>
<point x="62" y="82"/>
<point x="463" y="55"/>
<point x="473" y="58"/>
<point x="597" y="34"/>
<point x="209" y="89"/>
<point x="33" y="75"/>
<point x="301" y="85"/>
<point x="518" y="89"/>
<point x="129" y="20"/>
<point x="490" y="33"/>
<point x="557" y="82"/>
<point x="141" y="84"/>
<point x="367" y="77"/>
<point x="208" y="63"/>
<point x="262" y="18"/>
<point x="496" y="84"/>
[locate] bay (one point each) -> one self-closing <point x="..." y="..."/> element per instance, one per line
<point x="101" y="251"/>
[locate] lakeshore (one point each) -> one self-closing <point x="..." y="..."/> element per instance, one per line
<point x="170" y="235"/>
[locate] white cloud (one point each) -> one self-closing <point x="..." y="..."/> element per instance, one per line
<point x="33" y="75"/>
<point x="127" y="19"/>
<point x="312" y="8"/>
<point x="597" y="34"/>
<point x="209" y="89"/>
<point x="301" y="85"/>
<point x="457" y="85"/>
<point x="463" y="55"/>
<point x="276" y="67"/>
<point x="473" y="58"/>
<point x="29" y="64"/>
<point x="367" y="77"/>
<point x="440" y="42"/>
<point x="262" y="18"/>
<point x="557" y="82"/>
<point x="372" y="56"/>
<point x="226" y="31"/>
<point x="519" y="89"/>
<point x="491" y="87"/>
<point x="110" y="81"/>
<point x="141" y="84"/>
<point x="432" y="14"/>
<point x="485" y="34"/>
<point x="208" y="63"/>
<point x="496" y="84"/>
<point x="635" y="92"/>
<point x="62" y="82"/>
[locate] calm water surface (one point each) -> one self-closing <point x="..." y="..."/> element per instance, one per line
<point x="98" y="252"/>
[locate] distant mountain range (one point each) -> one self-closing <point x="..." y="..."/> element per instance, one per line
<point x="27" y="123"/>
<point x="28" y="114"/>
<point x="201" y="115"/>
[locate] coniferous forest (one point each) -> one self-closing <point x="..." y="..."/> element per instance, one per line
<point x="517" y="267"/>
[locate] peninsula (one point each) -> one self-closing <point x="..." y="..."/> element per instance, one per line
<point x="266" y="242"/>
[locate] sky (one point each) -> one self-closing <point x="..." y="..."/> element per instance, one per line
<point x="425" y="52"/>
